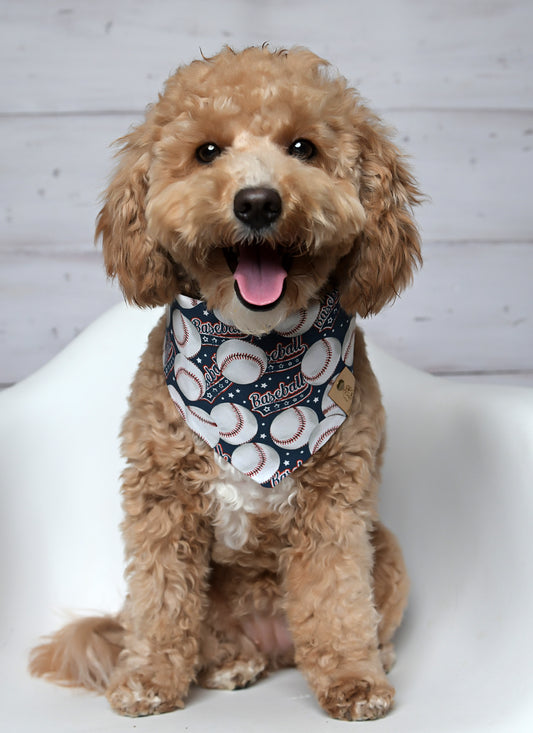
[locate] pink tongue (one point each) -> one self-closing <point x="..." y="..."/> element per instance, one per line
<point x="259" y="275"/>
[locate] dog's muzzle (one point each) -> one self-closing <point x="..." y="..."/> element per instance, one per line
<point x="258" y="268"/>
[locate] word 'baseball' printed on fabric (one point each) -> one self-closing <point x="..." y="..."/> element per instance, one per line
<point x="263" y="403"/>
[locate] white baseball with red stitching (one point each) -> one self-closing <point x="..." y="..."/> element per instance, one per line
<point x="236" y="424"/>
<point x="203" y="425"/>
<point x="241" y="362"/>
<point x="187" y="302"/>
<point x="189" y="378"/>
<point x="188" y="340"/>
<point x="177" y="399"/>
<point x="257" y="460"/>
<point x="324" y="430"/>
<point x="320" y="362"/>
<point x="348" y="344"/>
<point x="292" y="428"/>
<point x="299" y="322"/>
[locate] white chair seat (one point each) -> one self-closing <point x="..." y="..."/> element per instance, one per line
<point x="457" y="491"/>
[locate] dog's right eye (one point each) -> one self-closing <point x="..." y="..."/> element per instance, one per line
<point x="207" y="152"/>
<point x="302" y="148"/>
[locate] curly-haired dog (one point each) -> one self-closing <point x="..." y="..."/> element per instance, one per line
<point x="265" y="206"/>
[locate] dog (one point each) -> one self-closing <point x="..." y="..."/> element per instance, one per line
<point x="266" y="207"/>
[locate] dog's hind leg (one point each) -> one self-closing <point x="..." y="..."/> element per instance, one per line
<point x="244" y="635"/>
<point x="391" y="588"/>
<point x="230" y="660"/>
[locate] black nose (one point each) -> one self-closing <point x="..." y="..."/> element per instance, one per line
<point x="257" y="207"/>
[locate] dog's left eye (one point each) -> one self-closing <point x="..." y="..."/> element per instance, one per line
<point x="207" y="152"/>
<point x="303" y="149"/>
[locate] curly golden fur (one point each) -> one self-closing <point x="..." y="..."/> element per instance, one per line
<point x="317" y="581"/>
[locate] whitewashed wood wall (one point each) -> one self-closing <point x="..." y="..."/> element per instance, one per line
<point x="455" y="77"/>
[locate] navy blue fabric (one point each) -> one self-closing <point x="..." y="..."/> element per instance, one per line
<point x="209" y="363"/>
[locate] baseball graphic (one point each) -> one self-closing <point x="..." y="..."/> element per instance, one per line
<point x="235" y="423"/>
<point x="329" y="407"/>
<point x="292" y="428"/>
<point x="320" y="362"/>
<point x="348" y="344"/>
<point x="189" y="378"/>
<point x="257" y="460"/>
<point x="187" y="302"/>
<point x="177" y="399"/>
<point x="324" y="430"/>
<point x="203" y="425"/>
<point x="241" y="362"/>
<point x="188" y="339"/>
<point x="299" y="322"/>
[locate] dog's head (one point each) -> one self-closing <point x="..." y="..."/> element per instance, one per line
<point x="257" y="181"/>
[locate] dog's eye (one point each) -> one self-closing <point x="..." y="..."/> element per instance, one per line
<point x="303" y="149"/>
<point x="207" y="152"/>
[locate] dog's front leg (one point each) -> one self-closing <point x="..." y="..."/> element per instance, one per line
<point x="167" y="545"/>
<point x="332" y="615"/>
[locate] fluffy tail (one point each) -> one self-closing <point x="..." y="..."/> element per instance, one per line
<point x="82" y="654"/>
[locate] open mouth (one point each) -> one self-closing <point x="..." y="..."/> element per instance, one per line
<point x="260" y="273"/>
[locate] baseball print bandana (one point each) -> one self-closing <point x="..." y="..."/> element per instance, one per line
<point x="261" y="402"/>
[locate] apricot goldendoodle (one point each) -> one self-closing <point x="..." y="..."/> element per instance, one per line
<point x="265" y="206"/>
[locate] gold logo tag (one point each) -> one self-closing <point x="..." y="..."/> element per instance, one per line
<point x="342" y="390"/>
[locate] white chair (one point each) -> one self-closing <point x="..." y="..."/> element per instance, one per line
<point x="457" y="491"/>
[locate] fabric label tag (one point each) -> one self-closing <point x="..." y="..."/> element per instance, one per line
<point x="342" y="390"/>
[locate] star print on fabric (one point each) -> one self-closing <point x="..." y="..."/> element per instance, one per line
<point x="254" y="389"/>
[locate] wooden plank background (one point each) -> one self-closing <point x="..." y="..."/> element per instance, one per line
<point x="454" y="78"/>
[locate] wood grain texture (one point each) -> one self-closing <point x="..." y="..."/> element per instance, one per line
<point x="402" y="53"/>
<point x="454" y="78"/>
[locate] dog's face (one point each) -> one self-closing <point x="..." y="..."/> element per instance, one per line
<point x="257" y="181"/>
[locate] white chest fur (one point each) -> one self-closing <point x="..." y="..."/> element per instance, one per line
<point x="236" y="497"/>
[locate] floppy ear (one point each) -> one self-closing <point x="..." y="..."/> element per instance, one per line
<point x="146" y="272"/>
<point x="384" y="255"/>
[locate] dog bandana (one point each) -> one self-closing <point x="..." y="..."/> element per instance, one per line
<point x="264" y="403"/>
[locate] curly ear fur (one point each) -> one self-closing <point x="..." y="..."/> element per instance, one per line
<point x="387" y="251"/>
<point x="147" y="275"/>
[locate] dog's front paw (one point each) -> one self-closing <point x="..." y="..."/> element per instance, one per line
<point x="135" y="695"/>
<point x="357" y="699"/>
